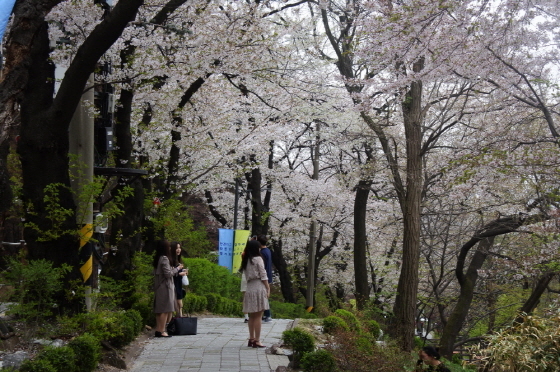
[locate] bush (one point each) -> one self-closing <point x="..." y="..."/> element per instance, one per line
<point x="211" y="301"/>
<point x="37" y="365"/>
<point x="146" y="313"/>
<point x="318" y="361"/>
<point x="357" y="353"/>
<point x="373" y="328"/>
<point x="35" y="285"/>
<point x="533" y="345"/>
<point x="333" y="324"/>
<point x="194" y="304"/>
<point x="128" y="325"/>
<point x="88" y="350"/>
<point x="285" y="310"/>
<point x="207" y="277"/>
<point x="61" y="358"/>
<point x="349" y="318"/>
<point x="300" y="341"/>
<point x="117" y="327"/>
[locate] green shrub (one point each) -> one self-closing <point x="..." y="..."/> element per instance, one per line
<point x="418" y="342"/>
<point x="318" y="361"/>
<point x="35" y="285"/>
<point x="127" y="326"/>
<point x="300" y="341"/>
<point x="207" y="277"/>
<point x="211" y="302"/>
<point x="349" y="318"/>
<point x="88" y="350"/>
<point x="36" y="365"/>
<point x="364" y="343"/>
<point x="533" y="345"/>
<point x="117" y="327"/>
<point x="194" y="304"/>
<point x="373" y="328"/>
<point x="146" y="313"/>
<point x="333" y="324"/>
<point x="356" y="353"/>
<point x="286" y="310"/>
<point x="137" y="318"/>
<point x="61" y="358"/>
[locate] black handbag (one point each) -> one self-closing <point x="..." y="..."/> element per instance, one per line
<point x="181" y="326"/>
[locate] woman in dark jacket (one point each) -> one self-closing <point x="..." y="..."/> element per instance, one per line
<point x="178" y="278"/>
<point x="164" y="289"/>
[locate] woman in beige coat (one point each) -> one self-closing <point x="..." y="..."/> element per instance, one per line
<point x="255" y="300"/>
<point x="164" y="289"/>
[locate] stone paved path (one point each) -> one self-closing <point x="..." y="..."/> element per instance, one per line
<point x="219" y="346"/>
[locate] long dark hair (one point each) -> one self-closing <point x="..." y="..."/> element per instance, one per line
<point x="175" y="259"/>
<point x="431" y="351"/>
<point x="162" y="249"/>
<point x="252" y="249"/>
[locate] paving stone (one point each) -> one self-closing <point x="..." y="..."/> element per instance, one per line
<point x="219" y="346"/>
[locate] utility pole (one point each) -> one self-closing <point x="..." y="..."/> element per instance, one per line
<point x="310" y="295"/>
<point x="81" y="135"/>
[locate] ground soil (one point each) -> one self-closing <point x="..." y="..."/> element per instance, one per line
<point x="128" y="353"/>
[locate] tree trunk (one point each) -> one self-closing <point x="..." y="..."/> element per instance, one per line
<point x="360" y="246"/>
<point x="282" y="268"/>
<point x="407" y="289"/>
<point x="535" y="297"/>
<point x="461" y="309"/>
<point x="28" y="17"/>
<point x="500" y="226"/>
<point x="43" y="150"/>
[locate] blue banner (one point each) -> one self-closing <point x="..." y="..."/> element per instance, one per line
<point x="225" y="249"/>
<point x="6" y="7"/>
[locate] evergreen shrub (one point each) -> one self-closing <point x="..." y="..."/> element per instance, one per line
<point x="285" y="310"/>
<point x="333" y="324"/>
<point x="194" y="304"/>
<point x="146" y="313"/>
<point x="62" y="358"/>
<point x="35" y="285"/>
<point x="117" y="327"/>
<point x="88" y="351"/>
<point x="212" y="302"/>
<point x="207" y="277"/>
<point x="350" y="319"/>
<point x="300" y="341"/>
<point x="373" y="328"/>
<point x="127" y="326"/>
<point x="318" y="361"/>
<point x="36" y="365"/>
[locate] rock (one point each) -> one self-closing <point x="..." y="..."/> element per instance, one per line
<point x="112" y="358"/>
<point x="53" y="343"/>
<point x="277" y="350"/>
<point x="15" y="360"/>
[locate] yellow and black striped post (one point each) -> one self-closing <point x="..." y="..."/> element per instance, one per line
<point x="86" y="254"/>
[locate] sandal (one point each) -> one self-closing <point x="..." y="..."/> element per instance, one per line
<point x="257" y="343"/>
<point x="251" y="342"/>
<point x="161" y="334"/>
